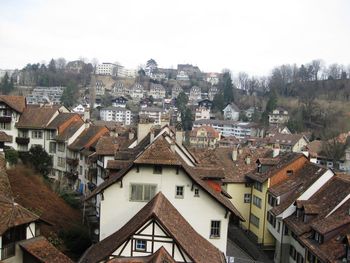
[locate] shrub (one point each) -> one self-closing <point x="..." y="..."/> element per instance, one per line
<point x="76" y="239"/>
<point x="11" y="156"/>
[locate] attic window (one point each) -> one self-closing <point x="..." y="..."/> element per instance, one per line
<point x="140" y="245"/>
<point x="318" y="237"/>
<point x="289" y="172"/>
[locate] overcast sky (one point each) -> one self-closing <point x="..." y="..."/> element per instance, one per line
<point x="246" y="35"/>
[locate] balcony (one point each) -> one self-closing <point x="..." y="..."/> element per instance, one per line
<point x="22" y="140"/>
<point x="8" y="251"/>
<point x="5" y="119"/>
<point x="73" y="176"/>
<point x="72" y="161"/>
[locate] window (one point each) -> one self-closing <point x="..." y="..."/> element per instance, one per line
<point x="179" y="192"/>
<point x="140" y="245"/>
<point x="254" y="220"/>
<point x="289" y="172"/>
<point x="300" y="258"/>
<point x="271" y="219"/>
<point x="278" y="226"/>
<point x="292" y="252"/>
<point x="272" y="200"/>
<point x="5" y="126"/>
<point x="258" y="186"/>
<point x="247" y="198"/>
<point x="142" y="192"/>
<point x="286" y="231"/>
<point x="60" y="147"/>
<point x="196" y="192"/>
<point x="52" y="147"/>
<point x="310" y="257"/>
<point x="257" y="201"/>
<point x="157" y="169"/>
<point x="37" y="134"/>
<point x="61" y="162"/>
<point x="215" y="229"/>
<point x="318" y="237"/>
<point x="80" y="169"/>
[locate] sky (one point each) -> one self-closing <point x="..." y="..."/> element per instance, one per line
<point x="246" y="35"/>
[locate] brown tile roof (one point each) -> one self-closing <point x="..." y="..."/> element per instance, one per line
<point x="117" y="164"/>
<point x="285" y="139"/>
<point x="315" y="148"/>
<point x="69" y="131"/>
<point x="5" y="186"/>
<point x="88" y="137"/>
<point x="4" y="137"/>
<point x="160" y="209"/>
<point x="61" y="119"/>
<point x="36" y="117"/>
<point x="211" y="132"/>
<point x="325" y="200"/>
<point x="236" y="171"/>
<point x="109" y="145"/>
<point x="158" y="152"/>
<point x="43" y="250"/>
<point x="112" y="126"/>
<point x="160" y="256"/>
<point x="283" y="160"/>
<point x="18" y="103"/>
<point x="295" y="185"/>
<point x="13" y="214"/>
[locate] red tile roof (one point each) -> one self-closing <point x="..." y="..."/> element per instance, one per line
<point x="160" y="209"/>
<point x="43" y="250"/>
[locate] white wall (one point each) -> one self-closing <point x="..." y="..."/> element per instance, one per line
<point x="117" y="210"/>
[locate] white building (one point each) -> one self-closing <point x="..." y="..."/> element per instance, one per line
<point x="157" y="91"/>
<point x="106" y="69"/>
<point x="126" y="73"/>
<point x="213" y="78"/>
<point x="100" y="88"/>
<point x="202" y="113"/>
<point x="152" y="113"/>
<point x="181" y="75"/>
<point x="195" y="94"/>
<point x="176" y="90"/>
<point x="231" y="112"/>
<point x="136" y="91"/>
<point x="118" y="114"/>
<point x="278" y="116"/>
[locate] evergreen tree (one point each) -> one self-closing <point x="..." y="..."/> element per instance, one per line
<point x="40" y="160"/>
<point x="6" y="85"/>
<point x="181" y="101"/>
<point x="227" y="88"/>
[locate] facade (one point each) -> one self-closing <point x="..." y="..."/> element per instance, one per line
<point x="106" y="69"/>
<point x="195" y="94"/>
<point x="118" y="114"/>
<point x="99" y="88"/>
<point x="213" y="78"/>
<point x="153" y="113"/>
<point x="279" y="116"/>
<point x="136" y="91"/>
<point x="45" y="95"/>
<point x="202" y="113"/>
<point x="212" y="92"/>
<point x="231" y="128"/>
<point x="157" y="91"/>
<point x="288" y="142"/>
<point x="204" y="137"/>
<point x="175" y="90"/>
<point x="119" y="102"/>
<point x="126" y="73"/>
<point x="118" y="89"/>
<point x="182" y="76"/>
<point x="231" y="112"/>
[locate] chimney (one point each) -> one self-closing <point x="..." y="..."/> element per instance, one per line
<point x="179" y="137"/>
<point x="247" y="159"/>
<point x="276" y="151"/>
<point x="234" y="154"/>
<point x="86" y="115"/>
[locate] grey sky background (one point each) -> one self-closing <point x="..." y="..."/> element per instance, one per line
<point x="247" y="35"/>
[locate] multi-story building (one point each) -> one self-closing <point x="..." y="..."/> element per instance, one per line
<point x="106" y="69"/>
<point x="118" y="114"/>
<point x="279" y="116"/>
<point x="202" y="113"/>
<point x="175" y="90"/>
<point x="136" y="91"/>
<point x="182" y="76"/>
<point x="195" y="94"/>
<point x="118" y="89"/>
<point x="231" y="112"/>
<point x="153" y="113"/>
<point x="100" y="88"/>
<point x="232" y="128"/>
<point x="212" y="92"/>
<point x="119" y="102"/>
<point x="45" y="95"/>
<point x="213" y="78"/>
<point x="157" y="91"/>
<point x="204" y="137"/>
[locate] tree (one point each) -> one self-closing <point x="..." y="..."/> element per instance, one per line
<point x="11" y="156"/>
<point x="60" y="63"/>
<point x="227" y="87"/>
<point x="6" y="85"/>
<point x="69" y="94"/>
<point x="151" y="64"/>
<point x="272" y="102"/>
<point x="40" y="160"/>
<point x="243" y="79"/>
<point x="52" y="66"/>
<point x="181" y="101"/>
<point x="333" y="149"/>
<point x="218" y="102"/>
<point x="186" y="119"/>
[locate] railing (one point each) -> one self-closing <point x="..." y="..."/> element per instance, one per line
<point x="5" y="119"/>
<point x="22" y="140"/>
<point x="8" y="251"/>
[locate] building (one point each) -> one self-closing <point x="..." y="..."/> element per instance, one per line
<point x="204" y="137"/>
<point x="213" y="78"/>
<point x="195" y="94"/>
<point x="11" y="108"/>
<point x="202" y="113"/>
<point x="213" y="90"/>
<point x="182" y="76"/>
<point x="165" y="168"/>
<point x="99" y="88"/>
<point x="79" y="109"/>
<point x="157" y="91"/>
<point x="279" y="116"/>
<point x="45" y="95"/>
<point x="75" y="66"/>
<point x="288" y="142"/>
<point x="205" y="103"/>
<point x="231" y="112"/>
<point x="136" y="91"/>
<point x="118" y="114"/>
<point x="119" y="102"/>
<point x="118" y="89"/>
<point x="126" y="73"/>
<point x="232" y="128"/>
<point x="176" y="90"/>
<point x="106" y="69"/>
<point x="153" y="113"/>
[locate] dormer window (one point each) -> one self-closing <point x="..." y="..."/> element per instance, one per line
<point x="318" y="237"/>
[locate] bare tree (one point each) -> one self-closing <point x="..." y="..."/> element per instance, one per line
<point x="60" y="63"/>
<point x="316" y="66"/>
<point x="243" y="80"/>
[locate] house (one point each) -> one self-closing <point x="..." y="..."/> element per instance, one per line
<point x="136" y="91"/>
<point x="288" y="142"/>
<point x="100" y="88"/>
<point x="80" y="157"/>
<point x="118" y="89"/>
<point x="75" y="66"/>
<point x="157" y="91"/>
<point x="182" y="76"/>
<point x="20" y="239"/>
<point x="165" y="167"/>
<point x="153" y="113"/>
<point x="212" y="78"/>
<point x="204" y="137"/>
<point x="32" y="124"/>
<point x="277" y="129"/>
<point x="319" y="227"/>
<point x="269" y="172"/>
<point x="176" y="90"/>
<point x="118" y="114"/>
<point x="195" y="94"/>
<point x="213" y="90"/>
<point x="229" y="141"/>
<point x="231" y="128"/>
<point x="45" y="95"/>
<point x="279" y="116"/>
<point x="11" y="108"/>
<point x="282" y="198"/>
<point x="146" y="102"/>
<point x="206" y="103"/>
<point x="231" y="112"/>
<point x="106" y="69"/>
<point x="119" y="102"/>
<point x="79" y="109"/>
<point x="202" y="113"/>
<point x="126" y="73"/>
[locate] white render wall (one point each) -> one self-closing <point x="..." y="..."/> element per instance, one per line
<point x="117" y="209"/>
